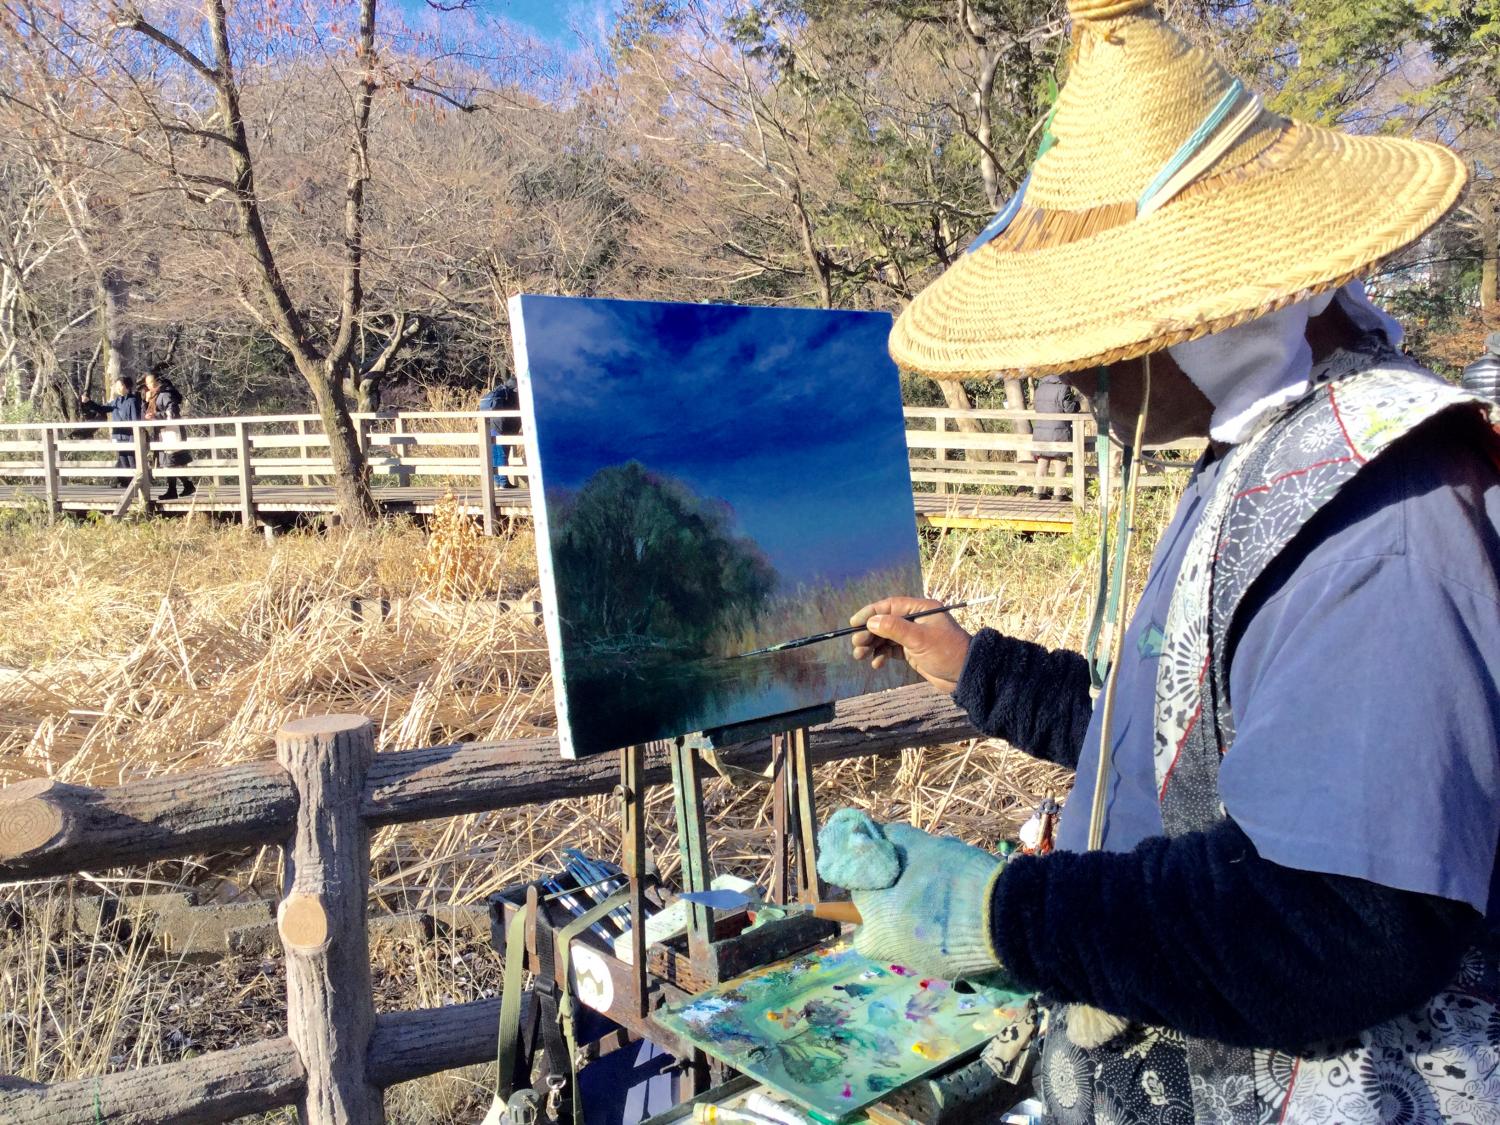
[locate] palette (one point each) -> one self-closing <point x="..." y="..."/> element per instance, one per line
<point x="835" y="1031"/>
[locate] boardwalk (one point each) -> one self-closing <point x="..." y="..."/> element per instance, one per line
<point x="968" y="468"/>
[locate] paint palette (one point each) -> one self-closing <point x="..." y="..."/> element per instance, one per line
<point x="836" y="1031"/>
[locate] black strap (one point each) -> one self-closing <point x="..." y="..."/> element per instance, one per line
<point x="547" y="1018"/>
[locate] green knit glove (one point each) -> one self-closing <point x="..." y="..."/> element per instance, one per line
<point x="925" y="899"/>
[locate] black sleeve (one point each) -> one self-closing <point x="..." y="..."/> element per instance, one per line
<point x="92" y="411"/>
<point x="1035" y="698"/>
<point x="1200" y="934"/>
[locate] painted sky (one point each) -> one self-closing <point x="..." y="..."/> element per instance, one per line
<point x="793" y="416"/>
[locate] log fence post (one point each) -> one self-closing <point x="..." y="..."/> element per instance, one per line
<point x="321" y="918"/>
<point x="487" y="474"/>
<point x="242" y="457"/>
<point x="50" y="473"/>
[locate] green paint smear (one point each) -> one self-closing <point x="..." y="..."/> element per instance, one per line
<point x="809" y="1027"/>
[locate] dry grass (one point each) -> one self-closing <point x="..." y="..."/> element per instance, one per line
<point x="129" y="650"/>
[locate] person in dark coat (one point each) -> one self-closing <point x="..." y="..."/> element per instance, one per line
<point x="1053" y="396"/>
<point x="124" y="407"/>
<point x="164" y="403"/>
<point x="1482" y="377"/>
<point x="503" y="396"/>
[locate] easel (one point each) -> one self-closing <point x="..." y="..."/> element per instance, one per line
<point x="715" y="948"/>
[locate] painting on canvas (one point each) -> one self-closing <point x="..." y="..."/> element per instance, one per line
<point x="708" y="480"/>
<point x="836" y="1031"/>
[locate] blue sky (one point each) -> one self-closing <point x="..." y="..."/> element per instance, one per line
<point x="551" y="21"/>
<point x="792" y="416"/>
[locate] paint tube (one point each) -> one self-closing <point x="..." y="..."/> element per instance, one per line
<point x="706" y="1114"/>
<point x="767" y="1106"/>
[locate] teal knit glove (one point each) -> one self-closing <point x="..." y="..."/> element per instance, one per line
<point x="925" y="899"/>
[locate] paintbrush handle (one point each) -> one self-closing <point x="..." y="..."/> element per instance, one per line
<point x="838" y="912"/>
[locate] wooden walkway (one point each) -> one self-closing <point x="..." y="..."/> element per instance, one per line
<point x="969" y="469"/>
<point x="279" y="499"/>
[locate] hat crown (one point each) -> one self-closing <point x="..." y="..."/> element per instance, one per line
<point x="1137" y="90"/>
<point x="1104" y="9"/>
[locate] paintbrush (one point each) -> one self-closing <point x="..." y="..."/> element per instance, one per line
<point x="850" y="630"/>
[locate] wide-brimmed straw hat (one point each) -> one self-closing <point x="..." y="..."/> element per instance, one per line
<point x="1168" y="205"/>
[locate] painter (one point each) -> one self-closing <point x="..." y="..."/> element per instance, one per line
<point x="1271" y="897"/>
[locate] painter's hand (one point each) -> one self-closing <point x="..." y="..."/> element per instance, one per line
<point x="935" y="646"/>
<point x="925" y="899"/>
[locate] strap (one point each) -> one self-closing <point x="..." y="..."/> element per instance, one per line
<point x="510" y="1006"/>
<point x="735" y="775"/>
<point x="1149" y="200"/>
<point x="565" y="940"/>
<point x="1099" y="669"/>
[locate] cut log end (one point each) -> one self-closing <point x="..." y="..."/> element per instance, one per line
<point x="27" y="825"/>
<point x="303" y="922"/>
<point x="314" y="725"/>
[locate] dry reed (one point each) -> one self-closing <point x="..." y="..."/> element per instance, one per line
<point x="134" y="649"/>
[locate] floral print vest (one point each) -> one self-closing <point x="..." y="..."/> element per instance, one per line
<point x="1440" y="1062"/>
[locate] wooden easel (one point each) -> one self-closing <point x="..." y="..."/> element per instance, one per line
<point x="718" y="946"/>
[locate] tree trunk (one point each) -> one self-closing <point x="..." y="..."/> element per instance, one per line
<point x="816" y="259"/>
<point x="1489" y="277"/>
<point x="351" y="476"/>
<point x="119" y="344"/>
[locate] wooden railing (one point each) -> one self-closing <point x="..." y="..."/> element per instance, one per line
<point x="265" y="463"/>
<point x="318" y="802"/>
<point x="258" y="451"/>
<point x="938" y="430"/>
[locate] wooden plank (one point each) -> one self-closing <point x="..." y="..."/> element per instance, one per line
<point x="246" y="475"/>
<point x="999" y="522"/>
<point x="49" y="469"/>
<point x="143" y="466"/>
<point x="943" y="412"/>
<point x="923" y="439"/>
<point x="486" y="476"/>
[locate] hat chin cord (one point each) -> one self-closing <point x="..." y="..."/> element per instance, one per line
<point x="1113" y="591"/>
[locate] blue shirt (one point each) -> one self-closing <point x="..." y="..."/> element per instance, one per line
<point x="1364" y="682"/>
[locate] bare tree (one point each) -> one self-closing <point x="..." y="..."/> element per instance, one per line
<point x="324" y="359"/>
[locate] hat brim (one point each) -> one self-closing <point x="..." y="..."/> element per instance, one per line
<point x="1323" y="209"/>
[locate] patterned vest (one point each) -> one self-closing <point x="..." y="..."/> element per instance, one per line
<point x="1440" y="1062"/>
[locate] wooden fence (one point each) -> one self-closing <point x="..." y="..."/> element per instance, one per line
<point x="318" y="801"/>
<point x="269" y="463"/>
<point x="257" y="466"/>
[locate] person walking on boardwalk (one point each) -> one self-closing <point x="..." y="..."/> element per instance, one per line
<point x="1274" y="891"/>
<point x="124" y="407"/>
<point x="1053" y="396"/>
<point x="164" y="402"/>
<point x="504" y="395"/>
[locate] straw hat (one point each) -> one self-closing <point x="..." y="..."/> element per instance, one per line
<point x="1169" y="205"/>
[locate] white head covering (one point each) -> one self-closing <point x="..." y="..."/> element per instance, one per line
<point x="1251" y="369"/>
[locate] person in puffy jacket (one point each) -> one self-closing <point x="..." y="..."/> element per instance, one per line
<point x="164" y="402"/>
<point x="124" y="407"/>
<point x="1053" y="396"/>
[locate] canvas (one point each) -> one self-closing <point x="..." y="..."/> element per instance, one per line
<point x="836" y="1031"/>
<point x="708" y="480"/>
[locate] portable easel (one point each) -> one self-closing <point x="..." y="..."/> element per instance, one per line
<point x="714" y="949"/>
